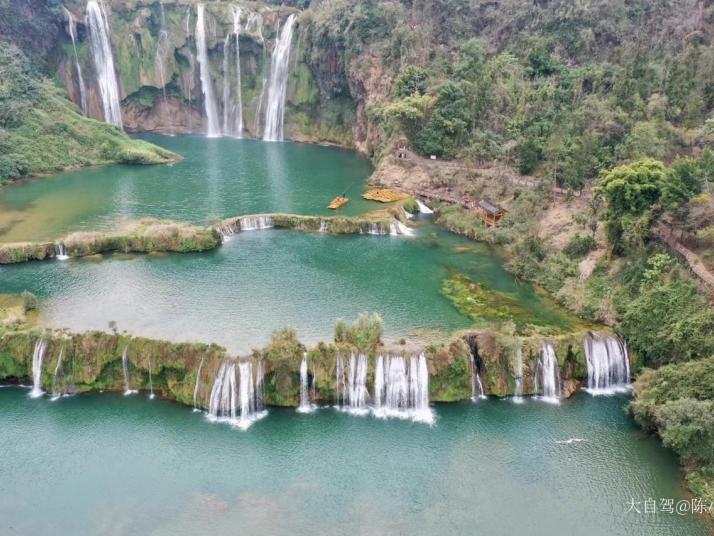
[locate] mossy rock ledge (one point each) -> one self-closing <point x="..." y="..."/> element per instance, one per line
<point x="92" y="361"/>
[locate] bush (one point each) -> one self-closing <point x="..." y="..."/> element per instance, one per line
<point x="579" y="246"/>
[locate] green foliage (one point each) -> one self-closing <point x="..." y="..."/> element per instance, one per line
<point x="19" y="91"/>
<point x="579" y="246"/>
<point x="666" y="319"/>
<point x="412" y="80"/>
<point x="364" y="333"/>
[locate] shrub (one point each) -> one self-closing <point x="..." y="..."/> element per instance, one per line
<point x="579" y="246"/>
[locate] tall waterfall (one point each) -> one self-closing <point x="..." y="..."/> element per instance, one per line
<point x="255" y="24"/>
<point x="58" y="377"/>
<point x="232" y="99"/>
<point x="477" y="391"/>
<point x="37" y="357"/>
<point x="209" y="99"/>
<point x="151" y="382"/>
<point x="191" y="65"/>
<point x="518" y="374"/>
<point x="233" y="402"/>
<point x="161" y="49"/>
<point x="278" y="83"/>
<point x="547" y="374"/>
<point x="357" y="385"/>
<point x="198" y="385"/>
<point x="104" y="62"/>
<point x="305" y="405"/>
<point x="72" y="24"/>
<point x="259" y="382"/>
<point x="406" y="392"/>
<point x="608" y="364"/>
<point x="125" y="367"/>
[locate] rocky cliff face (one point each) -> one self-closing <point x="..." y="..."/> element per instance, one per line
<point x="156" y="62"/>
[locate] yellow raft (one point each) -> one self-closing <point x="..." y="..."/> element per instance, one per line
<point x="337" y="202"/>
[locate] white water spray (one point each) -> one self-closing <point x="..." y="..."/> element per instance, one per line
<point x="256" y="223"/>
<point x="305" y="405"/>
<point x="608" y="364"/>
<point x="357" y="393"/>
<point x="58" y="376"/>
<point x="104" y="63"/>
<point x="547" y="374"/>
<point x="125" y="367"/>
<point x="232" y="402"/>
<point x="397" y="228"/>
<point x="209" y="100"/>
<point x="340" y="382"/>
<point x="278" y="83"/>
<point x="423" y="209"/>
<point x="151" y="382"/>
<point x="38" y="356"/>
<point x="406" y="390"/>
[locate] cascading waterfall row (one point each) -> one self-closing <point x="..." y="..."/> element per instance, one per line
<point x="238" y="403"/>
<point x="401" y="387"/>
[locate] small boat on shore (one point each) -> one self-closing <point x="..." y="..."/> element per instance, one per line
<point x="337" y="202"/>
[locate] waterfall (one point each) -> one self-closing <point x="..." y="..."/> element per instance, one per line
<point x="547" y="374"/>
<point x="406" y="390"/>
<point x="57" y="376"/>
<point x="477" y="391"/>
<point x="323" y="226"/>
<point x="191" y="64"/>
<point x="80" y="79"/>
<point x="161" y="50"/>
<point x="151" y="382"/>
<point x="236" y="403"/>
<point x="222" y="402"/>
<point x="357" y="385"/>
<point x="209" y="100"/>
<point x="518" y="395"/>
<point x="608" y="364"/>
<point x="278" y="83"/>
<point x="37" y="356"/>
<point x="305" y="405"/>
<point x="423" y="209"/>
<point x="256" y="223"/>
<point x="255" y="22"/>
<point x="198" y="384"/>
<point x="379" y="383"/>
<point x="60" y="252"/>
<point x="125" y="367"/>
<point x="232" y="106"/>
<point x="397" y="228"/>
<point x="375" y="229"/>
<point x="104" y="62"/>
<point x="340" y="382"/>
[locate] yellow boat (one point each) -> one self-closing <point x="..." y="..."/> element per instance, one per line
<point x="337" y="202"/>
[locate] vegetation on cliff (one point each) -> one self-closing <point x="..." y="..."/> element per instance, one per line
<point x="677" y="402"/>
<point x="42" y="132"/>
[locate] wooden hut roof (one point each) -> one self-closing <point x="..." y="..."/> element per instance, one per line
<point x="489" y="206"/>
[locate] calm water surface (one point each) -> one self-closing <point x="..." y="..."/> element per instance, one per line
<point x="218" y="178"/>
<point x="113" y="465"/>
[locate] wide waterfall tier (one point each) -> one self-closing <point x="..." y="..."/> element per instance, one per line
<point x="397" y="228"/>
<point x="104" y="63"/>
<point x="38" y="356"/>
<point x="256" y="223"/>
<point x="278" y="83"/>
<point x="423" y="209"/>
<point x="547" y="374"/>
<point x="608" y="364"/>
<point x="237" y="401"/>
<point x="209" y="99"/>
<point x="402" y="388"/>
